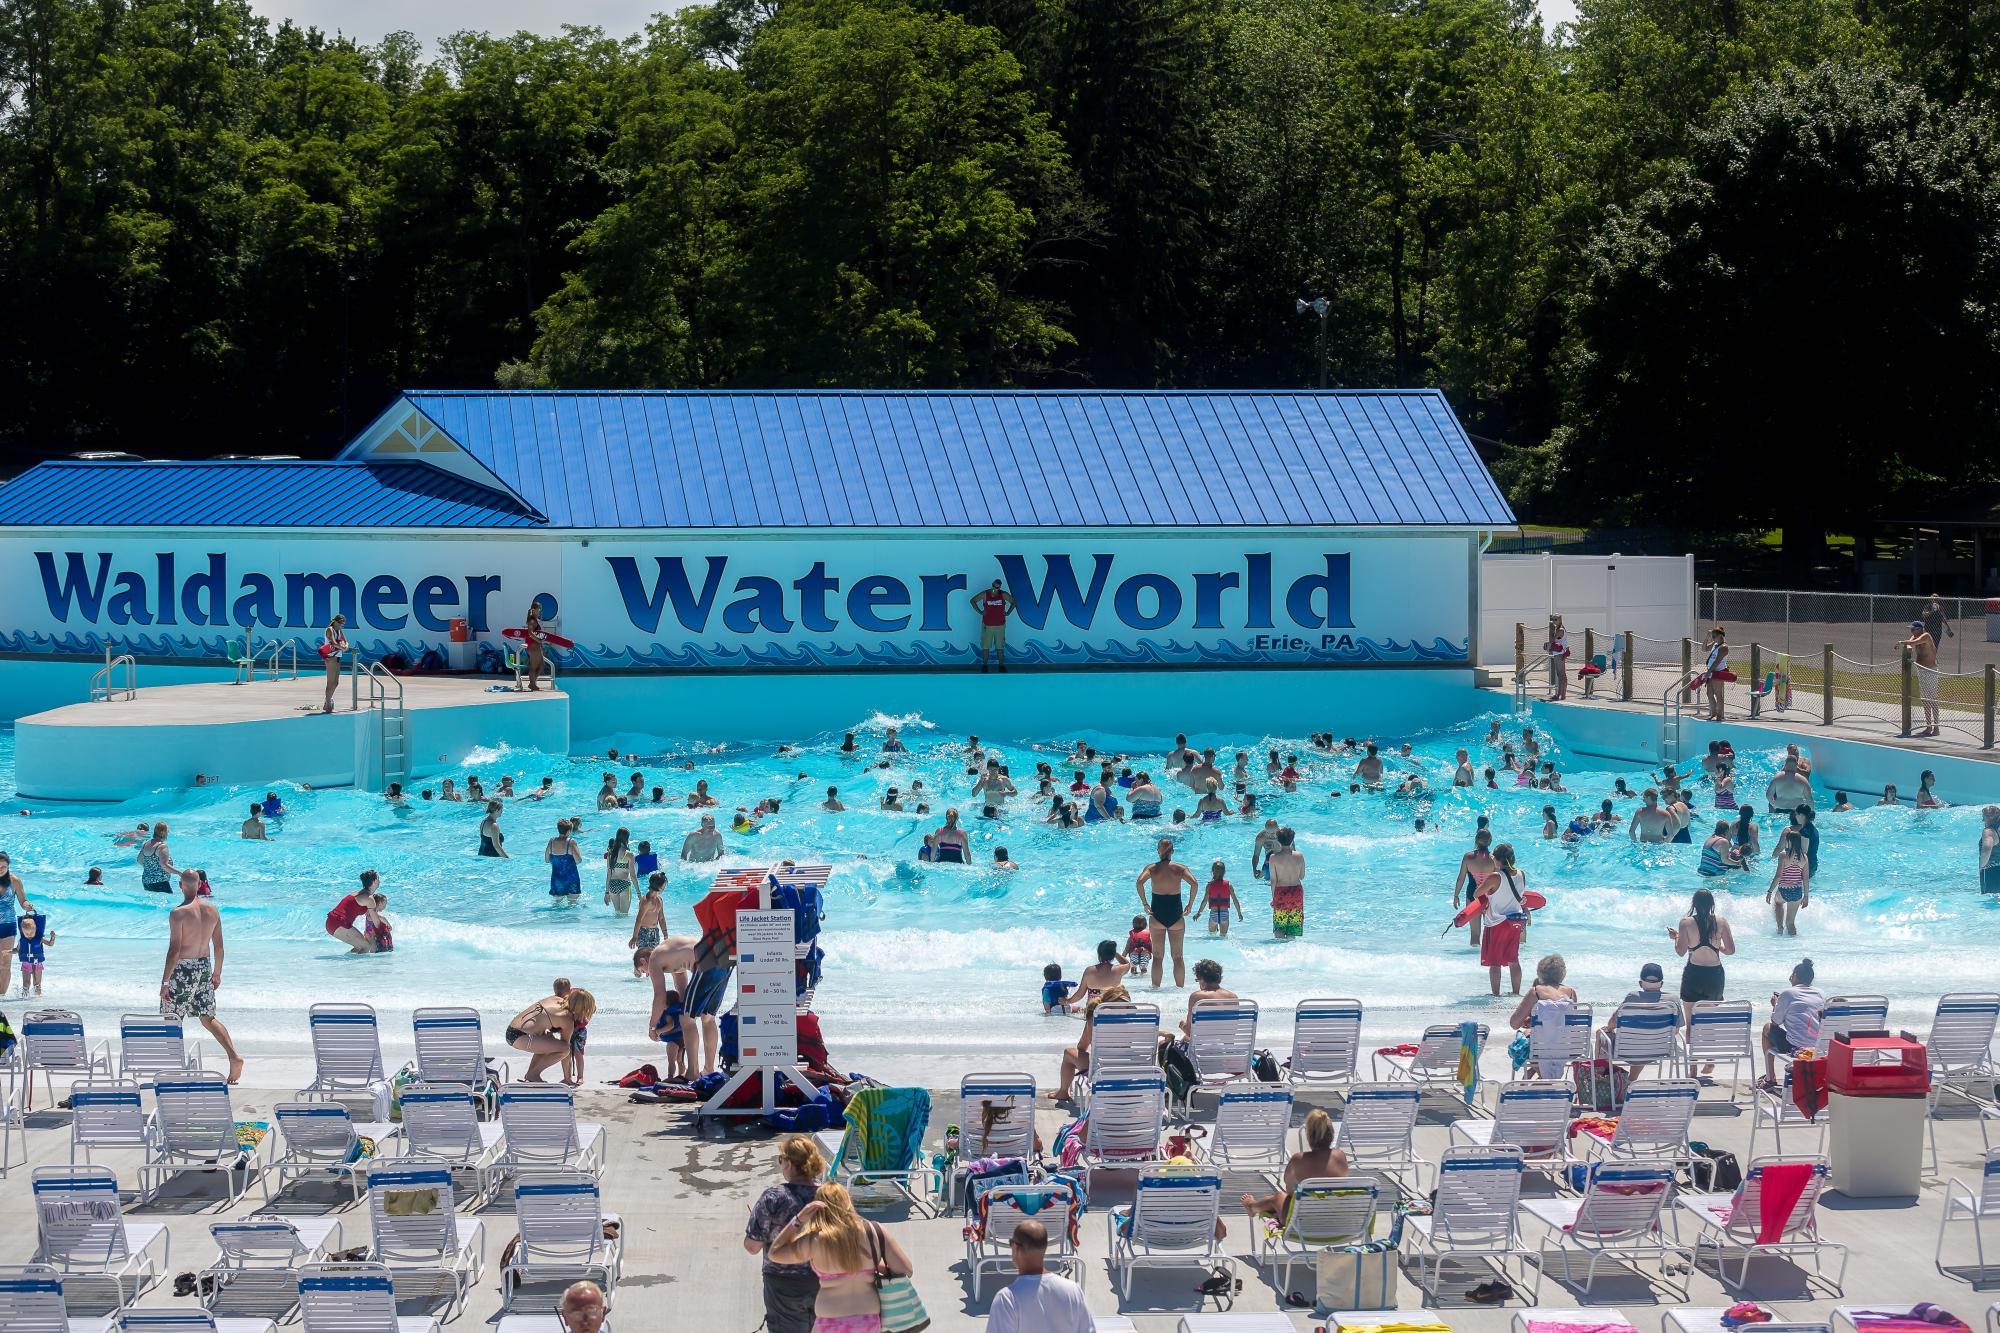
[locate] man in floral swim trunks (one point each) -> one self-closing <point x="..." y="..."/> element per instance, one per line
<point x="193" y="969"/>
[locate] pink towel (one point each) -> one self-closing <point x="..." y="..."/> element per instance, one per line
<point x="1782" y="1186"/>
<point x="1552" y="1326"/>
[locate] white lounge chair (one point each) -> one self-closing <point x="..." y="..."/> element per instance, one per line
<point x="1843" y="1015"/>
<point x="83" y="1229"/>
<point x="1326" y="1043"/>
<point x="347" y="1055"/>
<point x="1708" y="1319"/>
<point x="1779" y="1113"/>
<point x="562" y="1223"/>
<point x="152" y="1046"/>
<point x="1532" y="1115"/>
<point x="1618" y="1216"/>
<point x="417" y="1226"/>
<point x="1976" y="1208"/>
<point x="1960" y="1050"/>
<point x="13" y="1129"/>
<point x="108" y="1114"/>
<point x="1653" y="1124"/>
<point x="1645" y="1032"/>
<point x="1721" y="1032"/>
<point x="441" y="1120"/>
<point x="1127" y="1112"/>
<point x="1122" y="1036"/>
<point x="1222" y="1041"/>
<point x="988" y="1238"/>
<point x="996" y="1115"/>
<point x="539" y="1129"/>
<point x="451" y="1048"/>
<point x="1523" y="1321"/>
<point x="1170" y="1221"/>
<point x="267" y="1248"/>
<point x="319" y="1139"/>
<point x="1553" y="1046"/>
<point x="1435" y="1065"/>
<point x="1475" y="1216"/>
<point x="1732" y="1222"/>
<point x="1251" y="1126"/>
<point x="195" y="1130"/>
<point x="1377" y="1129"/>
<point x="53" y="1041"/>
<point x="354" y="1298"/>
<point x="1323" y="1213"/>
<point x="174" y="1319"/>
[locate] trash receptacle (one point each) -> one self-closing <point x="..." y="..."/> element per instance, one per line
<point x="1993" y="620"/>
<point x="461" y="651"/>
<point x="1877" y="1094"/>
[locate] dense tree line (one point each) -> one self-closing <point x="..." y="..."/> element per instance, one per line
<point x="1722" y="263"/>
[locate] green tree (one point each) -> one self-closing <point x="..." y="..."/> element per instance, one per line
<point x="1797" y="322"/>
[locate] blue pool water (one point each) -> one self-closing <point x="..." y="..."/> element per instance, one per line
<point x="928" y="963"/>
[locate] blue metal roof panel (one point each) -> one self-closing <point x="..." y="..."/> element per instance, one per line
<point x="254" y="494"/>
<point x="935" y="459"/>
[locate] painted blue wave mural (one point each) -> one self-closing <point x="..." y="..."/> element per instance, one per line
<point x="1345" y="651"/>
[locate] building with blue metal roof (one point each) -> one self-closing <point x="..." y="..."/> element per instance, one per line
<point x="712" y="532"/>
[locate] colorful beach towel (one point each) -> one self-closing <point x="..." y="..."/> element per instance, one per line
<point x="888" y="1124"/>
<point x="1468" y="1058"/>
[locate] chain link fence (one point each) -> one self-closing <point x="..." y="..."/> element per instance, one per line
<point x="1862" y="627"/>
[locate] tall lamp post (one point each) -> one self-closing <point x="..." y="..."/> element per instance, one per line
<point x="1322" y="307"/>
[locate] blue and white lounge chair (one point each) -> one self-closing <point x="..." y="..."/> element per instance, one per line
<point x="996" y="1115"/>
<point x="1619" y="1216"/>
<point x="1377" y="1130"/>
<point x="152" y="1046"/>
<point x="1646" y="1032"/>
<point x="562" y="1223"/>
<point x="1475" y="1216"/>
<point x="989" y="1234"/>
<point x="31" y="1301"/>
<point x="173" y="1319"/>
<point x="107" y="1115"/>
<point x="1553" y="1046"/>
<point x="319" y="1139"/>
<point x="1976" y="1208"/>
<point x="1326" y="1043"/>
<point x="883" y="1144"/>
<point x="267" y="1250"/>
<point x="53" y="1041"/>
<point x="1532" y="1115"/>
<point x="354" y="1298"/>
<point x="1252" y="1124"/>
<point x="441" y="1120"/>
<point x="1733" y="1222"/>
<point x="1322" y="1214"/>
<point x="1170" y="1222"/>
<point x="347" y="1055"/>
<point x="539" y="1130"/>
<point x="1721" y="1032"/>
<point x="1654" y="1124"/>
<point x="451" y="1048"/>
<point x="1122" y="1036"/>
<point x="1123" y="1121"/>
<point x="1435" y="1065"/>
<point x="417" y="1226"/>
<point x="1222" y="1041"/>
<point x="83" y="1229"/>
<point x="195" y="1130"/>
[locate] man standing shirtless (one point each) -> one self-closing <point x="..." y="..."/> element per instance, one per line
<point x="1288" y="887"/>
<point x="193" y="971"/>
<point x="1649" y="822"/>
<point x="1923" y="653"/>
<point x="1159" y="888"/>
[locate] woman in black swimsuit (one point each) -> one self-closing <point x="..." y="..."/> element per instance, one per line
<point x="1704" y="939"/>
<point x="1159" y="887"/>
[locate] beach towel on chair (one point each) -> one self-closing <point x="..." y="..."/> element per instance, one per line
<point x="889" y="1124"/>
<point x="1783" y="1183"/>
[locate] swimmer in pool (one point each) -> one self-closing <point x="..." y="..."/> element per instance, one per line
<point x="1145" y="797"/>
<point x="1493" y="733"/>
<point x="1159" y="887"/>
<point x="1211" y="806"/>
<point x="1789" y="789"/>
<point x="1473" y="868"/>
<point x="1287" y="868"/>
<point x="1462" y="775"/>
<point x="1369" y="770"/>
<point x="953" y="845"/>
<point x="1649" y="822"/>
<point x="704" y="843"/>
<point x="832" y="803"/>
<point x="1265" y="843"/>
<point x="492" y="842"/>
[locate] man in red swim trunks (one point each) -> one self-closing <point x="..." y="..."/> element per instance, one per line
<point x="994" y="605"/>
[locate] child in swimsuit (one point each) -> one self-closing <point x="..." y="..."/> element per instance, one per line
<point x="572" y="1065"/>
<point x="1055" y="991"/>
<point x="34" y="938"/>
<point x="1139" y="945"/>
<point x="1221" y="897"/>
<point x="670" y="1033"/>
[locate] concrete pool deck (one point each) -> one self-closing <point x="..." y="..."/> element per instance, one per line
<point x="683" y="1194"/>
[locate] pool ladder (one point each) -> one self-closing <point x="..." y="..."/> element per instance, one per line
<point x="118" y="678"/>
<point x="392" y="719"/>
<point x="1672" y="722"/>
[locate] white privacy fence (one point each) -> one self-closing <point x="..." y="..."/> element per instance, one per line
<point x="1653" y="596"/>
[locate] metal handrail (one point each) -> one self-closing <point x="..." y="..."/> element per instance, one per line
<point x="280" y="648"/>
<point x="1521" y="675"/>
<point x="383" y="685"/>
<point x="105" y="682"/>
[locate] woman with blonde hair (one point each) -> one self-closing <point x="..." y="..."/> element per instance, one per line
<point x="1318" y="1160"/>
<point x="1076" y="1059"/>
<point x="547" y="1028"/>
<point x="790" y="1290"/>
<point x="843" y="1251"/>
